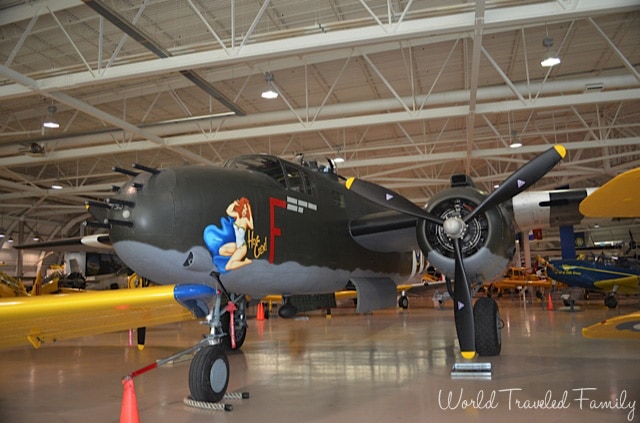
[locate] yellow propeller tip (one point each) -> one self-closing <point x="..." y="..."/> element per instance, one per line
<point x="561" y="150"/>
<point x="349" y="182"/>
<point x="468" y="355"/>
<point x="140" y="347"/>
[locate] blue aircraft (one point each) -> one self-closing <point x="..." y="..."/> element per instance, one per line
<point x="598" y="273"/>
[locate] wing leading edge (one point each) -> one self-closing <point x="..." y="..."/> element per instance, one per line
<point x="38" y="320"/>
<point x="625" y="284"/>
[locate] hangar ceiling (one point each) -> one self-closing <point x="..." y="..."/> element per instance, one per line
<point x="408" y="92"/>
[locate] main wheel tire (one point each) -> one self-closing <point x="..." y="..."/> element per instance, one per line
<point x="403" y="302"/>
<point x="610" y="301"/>
<point x="487" y="325"/>
<point x="209" y="374"/>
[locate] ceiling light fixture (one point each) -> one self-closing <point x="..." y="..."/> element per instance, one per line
<point x="269" y="92"/>
<point x="338" y="158"/>
<point x="50" y="121"/>
<point x="56" y="185"/>
<point x="515" y="142"/>
<point x="550" y="58"/>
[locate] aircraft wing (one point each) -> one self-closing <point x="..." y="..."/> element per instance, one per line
<point x="43" y="319"/>
<point x="345" y="294"/>
<point x="619" y="327"/>
<point x="619" y="197"/>
<point x="626" y="284"/>
<point x="507" y="283"/>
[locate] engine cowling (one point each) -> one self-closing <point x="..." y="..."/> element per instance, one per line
<point x="487" y="241"/>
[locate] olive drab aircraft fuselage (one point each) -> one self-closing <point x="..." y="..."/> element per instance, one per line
<point x="259" y="225"/>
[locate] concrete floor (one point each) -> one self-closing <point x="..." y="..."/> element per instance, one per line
<point x="388" y="366"/>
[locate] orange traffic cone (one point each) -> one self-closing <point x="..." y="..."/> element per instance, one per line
<point x="260" y="313"/>
<point x="549" y="303"/>
<point x="129" y="410"/>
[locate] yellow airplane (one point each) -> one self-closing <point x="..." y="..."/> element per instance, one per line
<point x="521" y="277"/>
<point x="617" y="198"/>
<point x="11" y="287"/>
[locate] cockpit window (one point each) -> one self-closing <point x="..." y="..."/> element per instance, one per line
<point x="295" y="178"/>
<point x="264" y="164"/>
<point x="287" y="175"/>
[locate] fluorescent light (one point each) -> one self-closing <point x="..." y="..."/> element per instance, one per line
<point x="515" y="144"/>
<point x="56" y="185"/>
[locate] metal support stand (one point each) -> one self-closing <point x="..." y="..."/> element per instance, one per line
<point x="471" y="371"/>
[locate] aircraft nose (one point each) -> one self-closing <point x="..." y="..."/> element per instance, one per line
<point x="144" y="205"/>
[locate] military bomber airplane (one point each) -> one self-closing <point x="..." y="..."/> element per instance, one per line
<point x="261" y="225"/>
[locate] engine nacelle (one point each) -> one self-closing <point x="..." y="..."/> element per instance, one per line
<point x="488" y="242"/>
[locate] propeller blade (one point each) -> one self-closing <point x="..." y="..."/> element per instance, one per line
<point x="521" y="179"/>
<point x="390" y="199"/>
<point x="462" y="307"/>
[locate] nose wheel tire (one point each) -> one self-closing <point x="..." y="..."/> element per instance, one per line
<point x="487" y="327"/>
<point x="209" y="374"/>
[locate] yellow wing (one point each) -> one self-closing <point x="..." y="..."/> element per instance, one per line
<point x="37" y="320"/>
<point x="625" y="285"/>
<point x="620" y="327"/>
<point x="344" y="294"/>
<point x="617" y="198"/>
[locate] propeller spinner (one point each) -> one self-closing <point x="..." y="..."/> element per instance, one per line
<point x="455" y="227"/>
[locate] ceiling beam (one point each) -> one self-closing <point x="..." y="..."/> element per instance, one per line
<point x="450" y="27"/>
<point x="153" y="46"/>
<point x="328" y="124"/>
